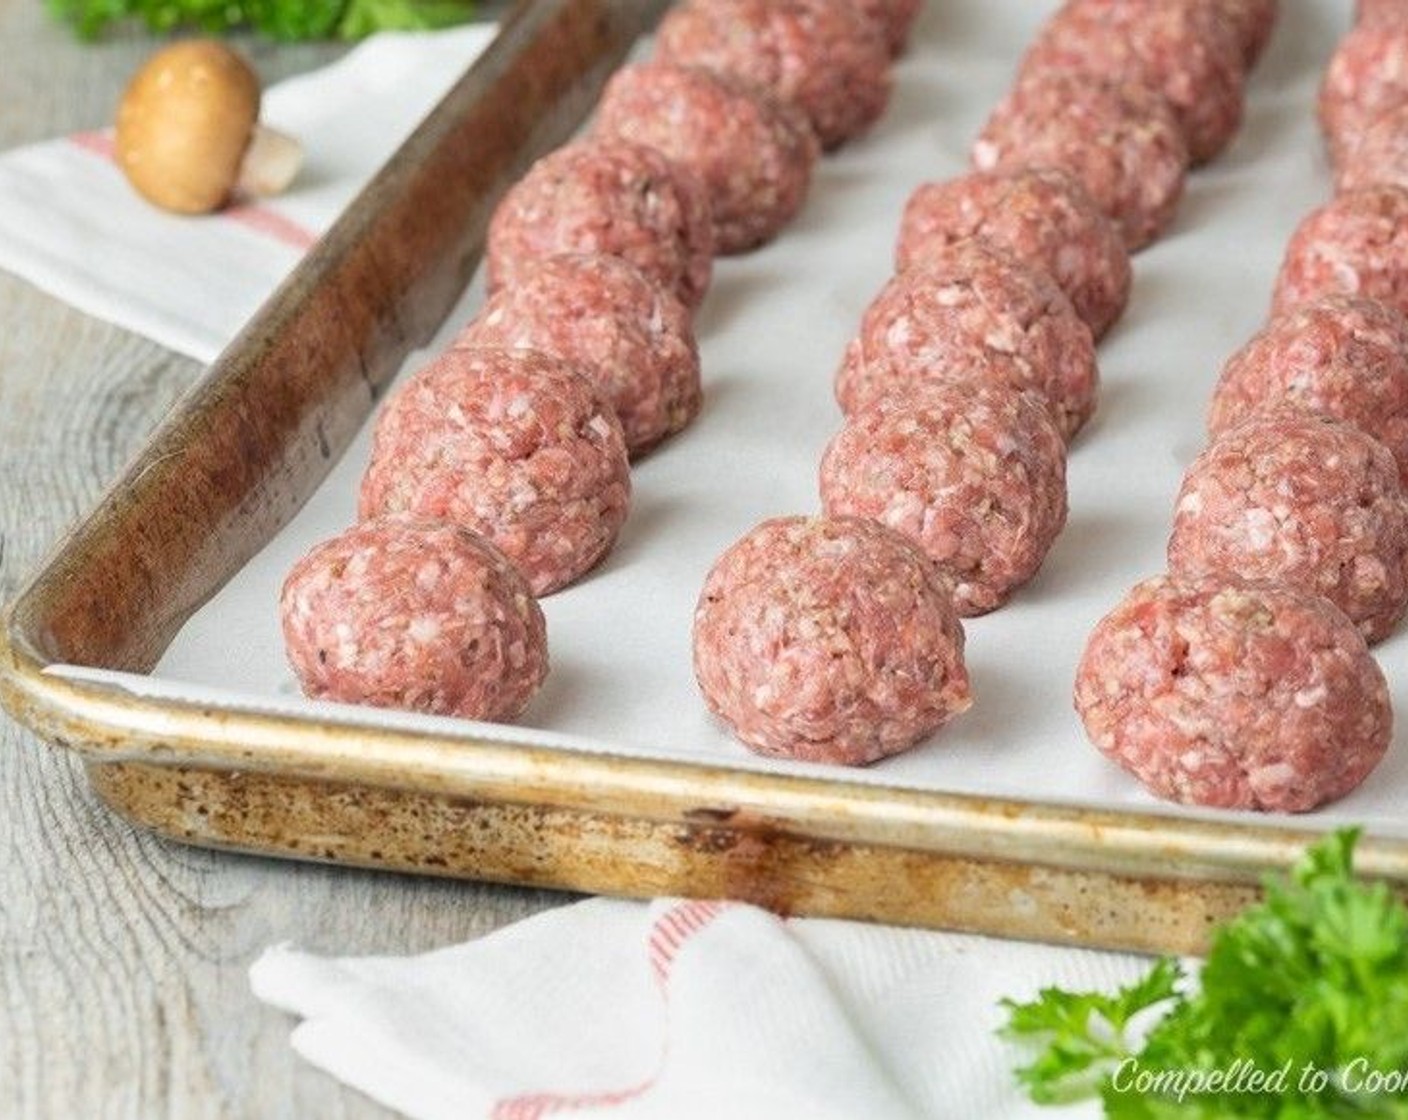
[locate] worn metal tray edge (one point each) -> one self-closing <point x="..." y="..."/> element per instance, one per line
<point x="473" y="806"/>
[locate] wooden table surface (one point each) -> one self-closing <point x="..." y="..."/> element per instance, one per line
<point x="123" y="958"/>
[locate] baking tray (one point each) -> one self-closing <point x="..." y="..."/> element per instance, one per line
<point x="252" y="442"/>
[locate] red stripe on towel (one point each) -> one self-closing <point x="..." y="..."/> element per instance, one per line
<point x="260" y="219"/>
<point x="99" y="143"/>
<point x="668" y="935"/>
<point x="673" y="929"/>
<point x="263" y="220"/>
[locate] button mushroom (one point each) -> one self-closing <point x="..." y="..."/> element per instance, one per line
<point x="188" y="136"/>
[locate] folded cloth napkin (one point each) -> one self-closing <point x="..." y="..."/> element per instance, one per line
<point x="70" y="223"/>
<point x="681" y="1009"/>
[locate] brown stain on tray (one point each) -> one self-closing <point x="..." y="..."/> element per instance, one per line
<point x="754" y="861"/>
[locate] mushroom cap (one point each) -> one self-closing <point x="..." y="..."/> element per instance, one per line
<point x="184" y="123"/>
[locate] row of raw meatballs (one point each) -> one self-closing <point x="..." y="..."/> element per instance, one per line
<point x="1243" y="679"/>
<point x="821" y="638"/>
<point x="1126" y="95"/>
<point x="499" y="472"/>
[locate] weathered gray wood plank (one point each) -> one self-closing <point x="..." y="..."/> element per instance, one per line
<point x="123" y="957"/>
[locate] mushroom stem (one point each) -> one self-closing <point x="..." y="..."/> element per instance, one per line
<point x="270" y="162"/>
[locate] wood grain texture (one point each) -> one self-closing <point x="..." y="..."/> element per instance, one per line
<point x="123" y="957"/>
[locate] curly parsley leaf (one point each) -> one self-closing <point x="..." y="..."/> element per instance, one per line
<point x="274" y="19"/>
<point x="361" y="17"/>
<point x="1082" y="1036"/>
<point x="1312" y="980"/>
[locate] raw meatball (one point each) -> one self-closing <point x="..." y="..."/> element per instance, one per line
<point x="1121" y="141"/>
<point x="973" y="474"/>
<point x="1186" y="51"/>
<point x="1234" y="695"/>
<point x="1042" y="216"/>
<point x="1341" y="355"/>
<point x="613" y="197"/>
<point x="829" y="640"/>
<point x="821" y="55"/>
<point x="400" y="613"/>
<point x="1301" y="499"/>
<point x="973" y="311"/>
<point x="1355" y="244"/>
<point x="1252" y="22"/>
<point x="513" y="444"/>
<point x="600" y="314"/>
<point x="1367" y="76"/>
<point x="1380" y="156"/>
<point x="1380" y="11"/>
<point x="753" y="153"/>
<point x="895" y="18"/>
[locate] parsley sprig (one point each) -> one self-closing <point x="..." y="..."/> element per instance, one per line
<point x="1312" y="981"/>
<point x="274" y="19"/>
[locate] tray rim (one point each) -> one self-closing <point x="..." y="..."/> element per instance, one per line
<point x="106" y="724"/>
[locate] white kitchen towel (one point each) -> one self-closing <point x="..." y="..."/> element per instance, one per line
<point x="70" y="223"/>
<point x="681" y="1009"/>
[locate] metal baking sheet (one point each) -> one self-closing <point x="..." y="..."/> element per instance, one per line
<point x="619" y="734"/>
<point x="772" y="332"/>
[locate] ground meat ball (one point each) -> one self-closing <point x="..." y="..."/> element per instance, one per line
<point x="1121" y="141"/>
<point x="973" y="474"/>
<point x="753" y="153"/>
<point x="1355" y="244"/>
<point x="613" y="197"/>
<point x="972" y="310"/>
<point x="1252" y="22"/>
<point x="512" y="444"/>
<point x="1379" y="157"/>
<point x="600" y="314"/>
<point x="895" y="18"/>
<point x="1042" y="216"/>
<point x="1301" y="499"/>
<point x="1186" y="51"/>
<point x="1234" y="695"/>
<point x="1367" y="76"/>
<point x="828" y="640"/>
<point x="821" y="55"/>
<point x="1380" y="11"/>
<point x="1341" y="355"/>
<point x="400" y="613"/>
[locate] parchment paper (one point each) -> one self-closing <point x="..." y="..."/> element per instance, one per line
<point x="772" y="333"/>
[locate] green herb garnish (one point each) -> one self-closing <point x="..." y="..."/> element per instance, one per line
<point x="274" y="19"/>
<point x="1301" y="1010"/>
